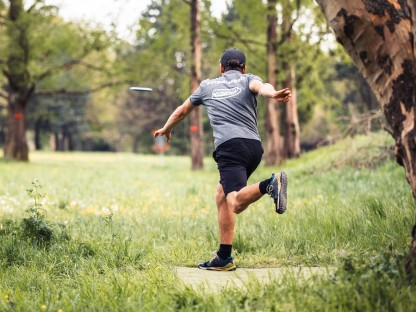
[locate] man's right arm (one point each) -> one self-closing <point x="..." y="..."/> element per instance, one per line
<point x="176" y="117"/>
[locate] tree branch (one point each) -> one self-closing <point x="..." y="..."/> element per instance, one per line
<point x="3" y="21"/>
<point x="68" y="66"/>
<point x="2" y="17"/>
<point x="29" y="92"/>
<point x="388" y="130"/>
<point x="81" y="92"/>
<point x="236" y="37"/>
<point x="32" y="7"/>
<point x="3" y="95"/>
<point x="288" y="32"/>
<point x="246" y="42"/>
<point x="6" y="74"/>
<point x="90" y="66"/>
<point x="362" y="124"/>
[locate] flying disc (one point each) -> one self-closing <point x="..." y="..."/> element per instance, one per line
<point x="140" y="89"/>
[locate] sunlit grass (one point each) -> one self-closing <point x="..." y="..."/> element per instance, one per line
<point x="123" y="221"/>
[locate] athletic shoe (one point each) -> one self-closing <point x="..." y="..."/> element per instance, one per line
<point x="218" y="264"/>
<point x="277" y="189"/>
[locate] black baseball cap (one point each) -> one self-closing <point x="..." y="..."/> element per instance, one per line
<point x="233" y="54"/>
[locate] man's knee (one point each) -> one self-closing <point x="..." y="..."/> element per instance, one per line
<point x="219" y="195"/>
<point x="234" y="204"/>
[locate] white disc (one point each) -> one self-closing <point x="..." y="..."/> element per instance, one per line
<point x="140" y="89"/>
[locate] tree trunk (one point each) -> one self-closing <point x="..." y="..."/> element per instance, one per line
<point x="38" y="130"/>
<point x="67" y="144"/>
<point x="89" y="145"/>
<point x="291" y="142"/>
<point x="19" y="86"/>
<point x="379" y="35"/>
<point x="58" y="142"/>
<point x="273" y="150"/>
<point x="16" y="146"/>
<point x="292" y="130"/>
<point x="196" y="129"/>
<point x="411" y="260"/>
<point x="135" y="144"/>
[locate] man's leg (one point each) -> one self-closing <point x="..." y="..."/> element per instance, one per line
<point x="226" y="221"/>
<point x="235" y="203"/>
<point x="226" y="217"/>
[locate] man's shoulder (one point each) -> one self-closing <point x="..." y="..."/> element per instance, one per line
<point x="228" y="80"/>
<point x="252" y="76"/>
<point x="212" y="81"/>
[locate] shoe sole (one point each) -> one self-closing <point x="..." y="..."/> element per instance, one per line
<point x="228" y="267"/>
<point x="282" y="199"/>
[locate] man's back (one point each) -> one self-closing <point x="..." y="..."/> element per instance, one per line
<point x="231" y="106"/>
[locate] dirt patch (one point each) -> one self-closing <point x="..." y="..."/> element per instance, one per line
<point x="216" y="281"/>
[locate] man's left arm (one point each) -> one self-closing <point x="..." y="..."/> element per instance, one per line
<point x="267" y="90"/>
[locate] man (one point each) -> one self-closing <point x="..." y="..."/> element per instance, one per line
<point x="230" y="101"/>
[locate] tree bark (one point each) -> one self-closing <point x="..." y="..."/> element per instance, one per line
<point x="273" y="150"/>
<point x="291" y="145"/>
<point x="379" y="35"/>
<point x="67" y="144"/>
<point x="196" y="128"/>
<point x="292" y="129"/>
<point x="38" y="130"/>
<point x="16" y="146"/>
<point x="19" y="84"/>
<point x="58" y="145"/>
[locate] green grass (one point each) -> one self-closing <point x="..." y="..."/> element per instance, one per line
<point x="121" y="222"/>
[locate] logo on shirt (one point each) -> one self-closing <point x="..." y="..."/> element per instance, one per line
<point x="225" y="93"/>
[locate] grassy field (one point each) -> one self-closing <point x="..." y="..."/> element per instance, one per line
<point x="103" y="232"/>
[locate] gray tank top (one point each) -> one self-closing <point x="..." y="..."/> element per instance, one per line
<point x="231" y="106"/>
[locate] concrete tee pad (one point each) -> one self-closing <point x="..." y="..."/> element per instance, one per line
<point x="215" y="281"/>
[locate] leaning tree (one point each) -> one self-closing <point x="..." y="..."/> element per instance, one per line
<point x="379" y="35"/>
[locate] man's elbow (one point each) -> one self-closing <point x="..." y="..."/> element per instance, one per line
<point x="181" y="113"/>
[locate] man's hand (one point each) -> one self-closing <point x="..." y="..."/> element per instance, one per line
<point x="283" y="95"/>
<point x="162" y="132"/>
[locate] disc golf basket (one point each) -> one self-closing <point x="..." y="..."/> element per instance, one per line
<point x="160" y="146"/>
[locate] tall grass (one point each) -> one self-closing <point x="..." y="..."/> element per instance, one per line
<point x="122" y="222"/>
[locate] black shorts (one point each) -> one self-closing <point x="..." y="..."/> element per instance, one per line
<point x="236" y="161"/>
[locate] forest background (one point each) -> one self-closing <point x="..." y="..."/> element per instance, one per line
<point x="79" y="74"/>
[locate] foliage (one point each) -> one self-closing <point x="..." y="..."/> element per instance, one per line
<point x="43" y="55"/>
<point x="59" y="114"/>
<point x="159" y="60"/>
<point x="64" y="98"/>
<point x="68" y="59"/>
<point x="163" y="33"/>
